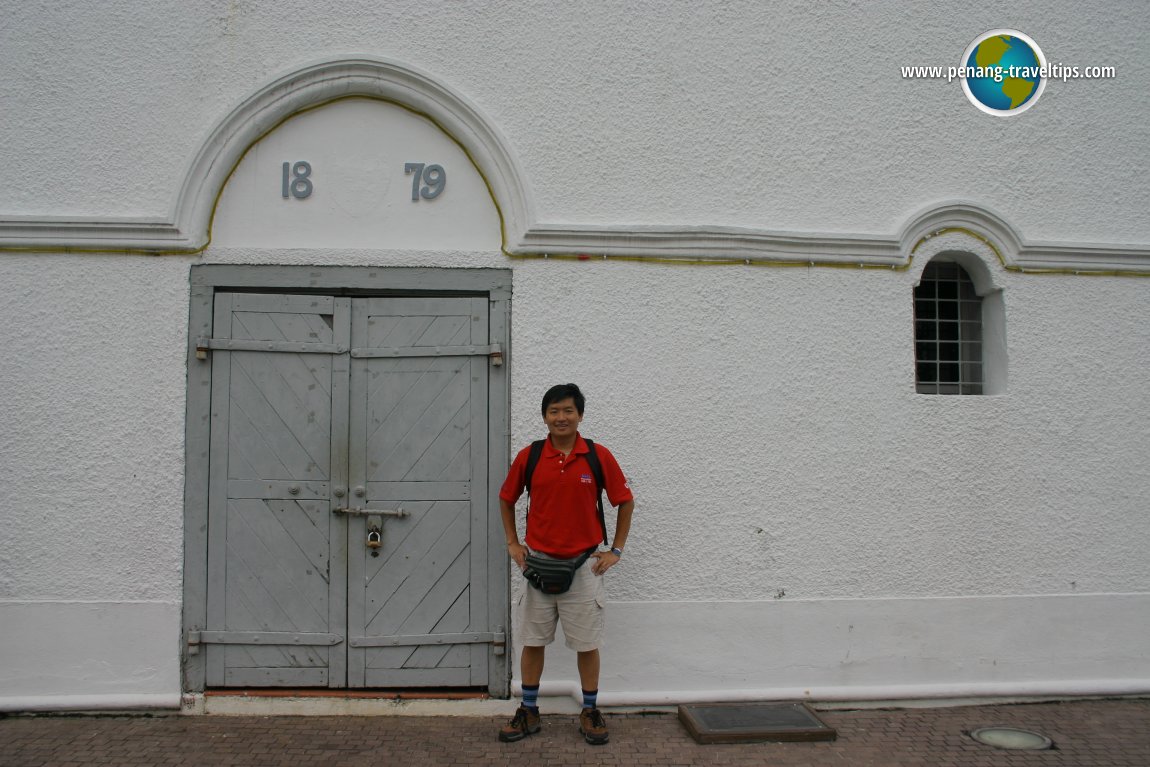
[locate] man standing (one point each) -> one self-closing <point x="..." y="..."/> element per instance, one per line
<point x="564" y="524"/>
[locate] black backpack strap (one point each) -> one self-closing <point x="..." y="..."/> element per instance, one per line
<point x="597" y="470"/>
<point x="532" y="462"/>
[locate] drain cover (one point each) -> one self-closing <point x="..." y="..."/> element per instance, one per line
<point x="752" y="722"/>
<point x="1009" y="737"/>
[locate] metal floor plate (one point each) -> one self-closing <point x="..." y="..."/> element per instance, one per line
<point x="753" y="722"/>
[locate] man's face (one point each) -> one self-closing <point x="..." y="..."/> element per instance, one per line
<point x="562" y="418"/>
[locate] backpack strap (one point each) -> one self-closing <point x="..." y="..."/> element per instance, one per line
<point x="596" y="470"/>
<point x="532" y="462"/>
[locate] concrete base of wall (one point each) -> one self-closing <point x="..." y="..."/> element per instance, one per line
<point x="881" y="649"/>
<point x="58" y="656"/>
<point x="125" y="655"/>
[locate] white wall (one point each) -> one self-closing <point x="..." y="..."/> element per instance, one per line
<point x="790" y="484"/>
<point x="783" y="115"/>
<point x="782" y="462"/>
<point x="91" y="477"/>
<point x="773" y="417"/>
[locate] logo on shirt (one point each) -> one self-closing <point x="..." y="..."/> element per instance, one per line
<point x="585" y="479"/>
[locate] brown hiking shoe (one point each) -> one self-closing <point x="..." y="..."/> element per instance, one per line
<point x="593" y="727"/>
<point x="525" y="722"/>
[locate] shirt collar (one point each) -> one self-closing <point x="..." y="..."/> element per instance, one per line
<point x="580" y="448"/>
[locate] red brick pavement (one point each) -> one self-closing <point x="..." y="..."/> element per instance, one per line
<point x="1114" y="733"/>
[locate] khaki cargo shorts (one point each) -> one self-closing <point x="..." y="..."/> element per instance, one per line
<point x="580" y="610"/>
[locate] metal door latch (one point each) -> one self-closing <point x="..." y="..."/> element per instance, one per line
<point x="355" y="511"/>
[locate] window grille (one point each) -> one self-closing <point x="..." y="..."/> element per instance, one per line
<point x="947" y="332"/>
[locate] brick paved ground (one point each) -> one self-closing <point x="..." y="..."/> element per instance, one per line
<point x="1111" y="733"/>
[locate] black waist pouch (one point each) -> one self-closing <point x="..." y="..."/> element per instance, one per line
<point x="553" y="576"/>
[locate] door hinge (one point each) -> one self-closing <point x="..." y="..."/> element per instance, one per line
<point x="499" y="642"/>
<point x="204" y="345"/>
<point x="494" y="352"/>
<point x="197" y="638"/>
<point x="497" y="639"/>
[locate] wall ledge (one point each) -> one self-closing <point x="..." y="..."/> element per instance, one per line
<point x="188" y="229"/>
<point x="18" y="703"/>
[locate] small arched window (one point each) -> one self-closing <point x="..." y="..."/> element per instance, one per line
<point x="948" y="337"/>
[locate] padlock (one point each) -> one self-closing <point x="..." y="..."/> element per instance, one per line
<point x="374" y="539"/>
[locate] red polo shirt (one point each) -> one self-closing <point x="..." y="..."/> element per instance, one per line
<point x="563" y="520"/>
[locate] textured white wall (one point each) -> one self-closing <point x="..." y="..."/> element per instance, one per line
<point x="92" y="412"/>
<point x="782" y="115"/>
<point x="784" y="468"/>
<point x="769" y="420"/>
<point x="92" y="391"/>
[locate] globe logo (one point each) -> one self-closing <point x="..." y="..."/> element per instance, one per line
<point x="1005" y="72"/>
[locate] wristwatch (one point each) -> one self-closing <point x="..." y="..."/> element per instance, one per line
<point x="617" y="552"/>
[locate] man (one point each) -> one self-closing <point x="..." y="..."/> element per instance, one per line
<point x="563" y="523"/>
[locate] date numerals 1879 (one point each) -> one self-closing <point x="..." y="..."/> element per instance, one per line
<point x="427" y="182"/>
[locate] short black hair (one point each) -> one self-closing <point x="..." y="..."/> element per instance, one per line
<point x="560" y="392"/>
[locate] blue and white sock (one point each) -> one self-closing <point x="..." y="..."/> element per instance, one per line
<point x="531" y="697"/>
<point x="589" y="698"/>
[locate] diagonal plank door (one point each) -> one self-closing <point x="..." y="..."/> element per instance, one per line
<point x="276" y="557"/>
<point x="417" y="612"/>
<point x="326" y="410"/>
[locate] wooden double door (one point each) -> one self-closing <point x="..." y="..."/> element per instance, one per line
<point x="347" y="492"/>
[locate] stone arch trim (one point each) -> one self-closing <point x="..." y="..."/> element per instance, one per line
<point x="324" y="82"/>
<point x="975" y="222"/>
<point x="987" y="231"/>
<point x="981" y="256"/>
<point x="307" y="87"/>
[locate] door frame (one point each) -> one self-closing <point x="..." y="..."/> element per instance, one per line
<point x="208" y="279"/>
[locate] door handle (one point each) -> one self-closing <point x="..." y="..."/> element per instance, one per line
<point x="355" y="511"/>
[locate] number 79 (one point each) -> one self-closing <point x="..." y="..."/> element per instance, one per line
<point x="434" y="179"/>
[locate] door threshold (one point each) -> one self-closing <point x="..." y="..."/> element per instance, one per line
<point x="349" y="694"/>
<point x="324" y="702"/>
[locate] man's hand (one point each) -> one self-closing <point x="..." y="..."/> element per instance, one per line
<point x="604" y="561"/>
<point x="518" y="552"/>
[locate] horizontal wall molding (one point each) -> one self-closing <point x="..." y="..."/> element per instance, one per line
<point x="188" y="229"/>
<point x="895" y="251"/>
<point x="18" y="703"/>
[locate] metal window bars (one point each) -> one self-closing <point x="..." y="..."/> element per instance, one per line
<point x="947" y="332"/>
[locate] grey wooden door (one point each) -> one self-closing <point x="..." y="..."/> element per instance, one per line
<point x="418" y="448"/>
<point x="333" y="417"/>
